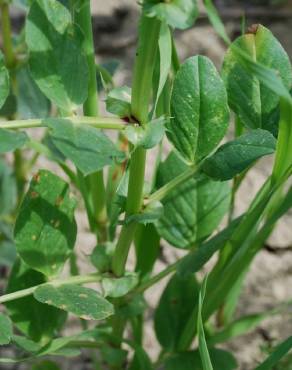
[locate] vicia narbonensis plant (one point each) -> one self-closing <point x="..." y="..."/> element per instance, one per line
<point x="48" y="80"/>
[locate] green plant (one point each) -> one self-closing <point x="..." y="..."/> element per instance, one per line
<point x="46" y="75"/>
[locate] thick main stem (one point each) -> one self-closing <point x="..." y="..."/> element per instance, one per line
<point x="6" y="35"/>
<point x="90" y="108"/>
<point x="141" y="92"/>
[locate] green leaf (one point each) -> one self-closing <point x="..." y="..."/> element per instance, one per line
<point x="196" y="259"/>
<point x="62" y="74"/>
<point x="83" y="302"/>
<point x="245" y="242"/>
<point x="248" y="96"/>
<point x="174" y="309"/>
<point x="45" y="365"/>
<point x="7" y="253"/>
<point x="242" y="325"/>
<point x="11" y="140"/>
<point x="26" y="344"/>
<point x="31" y="103"/>
<point x="151" y="213"/>
<point x="87" y="147"/>
<point x="114" y="357"/>
<point x="165" y="58"/>
<point x="101" y="258"/>
<point x="5" y="330"/>
<point x="203" y="349"/>
<point x="7" y="246"/>
<point x="141" y="360"/>
<point x="194" y="209"/>
<point x="147" y="243"/>
<point x="281" y="350"/>
<point x="9" y="108"/>
<point x="26" y="313"/>
<point x="57" y="346"/>
<point x="215" y="20"/>
<point x="176" y="13"/>
<point x="116" y="288"/>
<point x="191" y="360"/>
<point x="118" y="102"/>
<point x="8" y="189"/>
<point x="147" y="137"/>
<point x="45" y="229"/>
<point x="105" y="72"/>
<point x="236" y="156"/>
<point x="199" y="109"/>
<point x="4" y="81"/>
<point x="136" y="307"/>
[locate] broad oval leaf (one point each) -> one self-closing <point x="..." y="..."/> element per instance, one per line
<point x="254" y="103"/>
<point x="11" y="140"/>
<point x="4" y="81"/>
<point x="28" y="314"/>
<point x="118" y="101"/>
<point x="31" y="102"/>
<point x="5" y="330"/>
<point x="194" y="209"/>
<point x="80" y="301"/>
<point x="176" y="13"/>
<point x="199" y="109"/>
<point x="174" y="309"/>
<point x="119" y="287"/>
<point x="147" y="137"/>
<point x="87" y="147"/>
<point x="57" y="62"/>
<point x="147" y="246"/>
<point x="237" y="155"/>
<point x="45" y="229"/>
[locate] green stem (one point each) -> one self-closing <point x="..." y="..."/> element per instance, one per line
<point x="98" y="122"/>
<point x="156" y="278"/>
<point x="167" y="188"/>
<point x="90" y="108"/>
<point x="6" y="35"/>
<point x="79" y="280"/>
<point x="141" y="93"/>
<point x="83" y="190"/>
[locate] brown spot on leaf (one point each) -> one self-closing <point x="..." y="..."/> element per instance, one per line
<point x="82" y="295"/>
<point x="59" y="201"/>
<point x="34" y="195"/>
<point x="253" y="29"/>
<point x="37" y="177"/>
